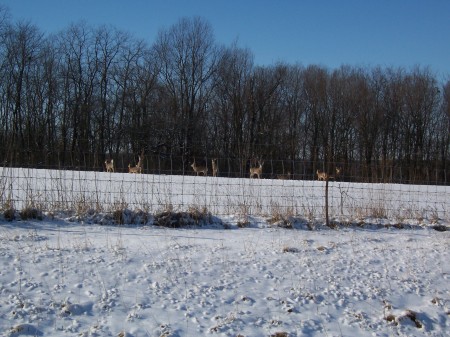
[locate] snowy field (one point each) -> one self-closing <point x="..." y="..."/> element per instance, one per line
<point x="69" y="276"/>
<point x="55" y="190"/>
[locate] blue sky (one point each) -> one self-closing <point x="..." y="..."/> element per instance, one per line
<point x="399" y="33"/>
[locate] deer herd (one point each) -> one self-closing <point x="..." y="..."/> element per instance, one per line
<point x="255" y="171"/>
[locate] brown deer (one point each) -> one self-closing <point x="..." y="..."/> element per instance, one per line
<point x="256" y="171"/>
<point x="134" y="169"/>
<point x="141" y="160"/>
<point x="109" y="164"/>
<point x="215" y="167"/>
<point x="286" y="176"/>
<point x="139" y="166"/>
<point x="199" y="168"/>
<point x="338" y="173"/>
<point x="322" y="175"/>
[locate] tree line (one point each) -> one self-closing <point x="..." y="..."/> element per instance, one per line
<point x="86" y="94"/>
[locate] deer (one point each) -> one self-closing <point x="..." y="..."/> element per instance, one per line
<point x="215" y="167"/>
<point x="329" y="177"/>
<point x="322" y="175"/>
<point x="138" y="168"/>
<point x="286" y="176"/>
<point x="199" y="168"/>
<point x="256" y="171"/>
<point x="134" y="169"/>
<point x="141" y="160"/>
<point x="109" y="164"/>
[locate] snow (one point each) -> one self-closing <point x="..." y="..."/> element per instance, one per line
<point x="221" y="196"/>
<point x="68" y="275"/>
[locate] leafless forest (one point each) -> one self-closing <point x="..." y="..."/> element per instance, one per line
<point x="76" y="98"/>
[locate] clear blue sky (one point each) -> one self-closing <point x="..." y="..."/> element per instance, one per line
<point x="399" y="33"/>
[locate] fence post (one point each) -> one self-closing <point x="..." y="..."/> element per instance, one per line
<point x="327" y="221"/>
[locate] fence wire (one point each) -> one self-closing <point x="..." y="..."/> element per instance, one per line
<point x="86" y="191"/>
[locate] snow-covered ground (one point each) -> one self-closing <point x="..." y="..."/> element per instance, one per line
<point x="70" y="276"/>
<point x="70" y="279"/>
<point x="59" y="189"/>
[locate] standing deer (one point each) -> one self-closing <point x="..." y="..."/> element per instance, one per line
<point x="256" y="171"/>
<point x="138" y="168"/>
<point x="141" y="160"/>
<point x="109" y="164"/>
<point x="325" y="176"/>
<point x="134" y="169"/>
<point x="321" y="175"/>
<point x="199" y="168"/>
<point x="286" y="176"/>
<point x="215" y="167"/>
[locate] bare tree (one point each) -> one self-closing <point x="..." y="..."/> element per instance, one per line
<point x="187" y="55"/>
<point x="443" y="148"/>
<point x="228" y="121"/>
<point x="421" y="98"/>
<point x="22" y="52"/>
<point x="291" y="113"/>
<point x="86" y="94"/>
<point x="316" y="124"/>
<point x="80" y="69"/>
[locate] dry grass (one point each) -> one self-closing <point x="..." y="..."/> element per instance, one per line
<point x="279" y="334"/>
<point x="193" y="217"/>
<point x="31" y="213"/>
<point x="9" y="214"/>
<point x="287" y="249"/>
<point x="68" y="193"/>
<point x="243" y="224"/>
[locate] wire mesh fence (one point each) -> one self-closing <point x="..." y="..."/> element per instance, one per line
<point x="85" y="191"/>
